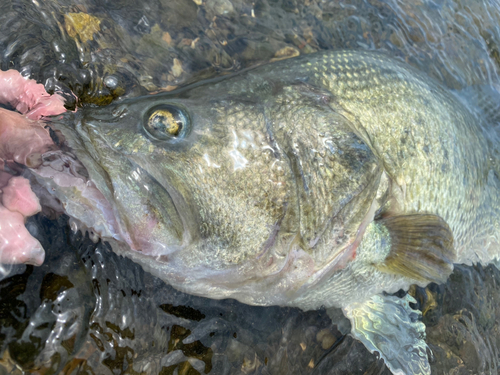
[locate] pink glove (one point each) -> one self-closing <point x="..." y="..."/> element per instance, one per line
<point x="22" y="139"/>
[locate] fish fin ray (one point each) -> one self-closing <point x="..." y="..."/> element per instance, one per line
<point x="421" y="247"/>
<point x="388" y="325"/>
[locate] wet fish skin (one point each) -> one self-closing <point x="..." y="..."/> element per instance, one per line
<point x="264" y="197"/>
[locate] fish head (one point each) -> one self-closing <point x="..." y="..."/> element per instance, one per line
<point x="227" y="190"/>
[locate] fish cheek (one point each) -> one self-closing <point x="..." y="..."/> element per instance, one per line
<point x="239" y="185"/>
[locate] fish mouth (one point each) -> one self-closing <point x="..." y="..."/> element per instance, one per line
<point x="148" y="210"/>
<point x="109" y="195"/>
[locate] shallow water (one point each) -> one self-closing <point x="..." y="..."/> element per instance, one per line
<point x="87" y="310"/>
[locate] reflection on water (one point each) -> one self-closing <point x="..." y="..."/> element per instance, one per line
<point x="87" y="310"/>
<point x="158" y="44"/>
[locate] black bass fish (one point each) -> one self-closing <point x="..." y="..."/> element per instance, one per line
<point x="323" y="180"/>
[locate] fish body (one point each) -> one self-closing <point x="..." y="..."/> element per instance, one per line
<point x="316" y="181"/>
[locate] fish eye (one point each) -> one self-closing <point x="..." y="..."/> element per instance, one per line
<point x="166" y="122"/>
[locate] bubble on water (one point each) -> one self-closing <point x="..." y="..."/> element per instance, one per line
<point x="111" y="82"/>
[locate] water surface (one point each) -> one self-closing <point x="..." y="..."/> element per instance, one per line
<point x="87" y="310"/>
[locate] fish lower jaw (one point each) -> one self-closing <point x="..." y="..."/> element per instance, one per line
<point x="136" y="242"/>
<point x="61" y="189"/>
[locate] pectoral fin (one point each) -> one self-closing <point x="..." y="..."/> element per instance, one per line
<point x="418" y="246"/>
<point x="388" y="325"/>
